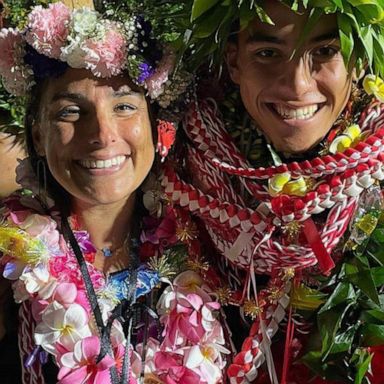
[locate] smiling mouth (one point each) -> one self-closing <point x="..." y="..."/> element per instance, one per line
<point x="102" y="164"/>
<point x="290" y="113"/>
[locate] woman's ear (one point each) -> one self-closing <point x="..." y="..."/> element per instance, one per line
<point x="37" y="139"/>
<point x="231" y="56"/>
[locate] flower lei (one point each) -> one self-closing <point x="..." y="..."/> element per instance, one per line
<point x="57" y="37"/>
<point x="44" y="271"/>
<point x="344" y="301"/>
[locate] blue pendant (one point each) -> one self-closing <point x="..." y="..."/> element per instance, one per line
<point x="106" y="252"/>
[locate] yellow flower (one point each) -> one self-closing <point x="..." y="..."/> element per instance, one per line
<point x="282" y="183"/>
<point x="374" y="85"/>
<point x="349" y="138"/>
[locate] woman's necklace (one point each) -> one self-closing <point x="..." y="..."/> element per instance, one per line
<point x="110" y="251"/>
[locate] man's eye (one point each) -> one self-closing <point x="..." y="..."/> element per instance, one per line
<point x="124" y="107"/>
<point x="326" y="51"/>
<point x="266" y="53"/>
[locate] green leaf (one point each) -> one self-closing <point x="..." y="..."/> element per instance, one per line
<point x="365" y="281"/>
<point x="201" y="6"/>
<point x="372" y="316"/>
<point x="343" y="341"/>
<point x="209" y="23"/>
<point x="346" y="37"/>
<point x="342" y="294"/>
<point x="363" y="358"/>
<point x="372" y="334"/>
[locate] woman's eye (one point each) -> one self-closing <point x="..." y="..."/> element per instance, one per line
<point x="124" y="107"/>
<point x="69" y="112"/>
<point x="326" y="51"/>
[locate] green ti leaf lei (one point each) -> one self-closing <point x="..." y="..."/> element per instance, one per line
<point x="350" y="307"/>
<point x="360" y="22"/>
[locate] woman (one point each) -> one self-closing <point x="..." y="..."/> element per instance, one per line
<point x="299" y="234"/>
<point x="86" y="259"/>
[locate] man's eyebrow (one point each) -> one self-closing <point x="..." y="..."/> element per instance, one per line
<point x="263" y="38"/>
<point x="266" y="38"/>
<point x="326" y="36"/>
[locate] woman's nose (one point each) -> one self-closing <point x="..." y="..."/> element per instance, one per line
<point x="103" y="130"/>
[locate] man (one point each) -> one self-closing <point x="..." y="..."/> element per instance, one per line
<point x="309" y="221"/>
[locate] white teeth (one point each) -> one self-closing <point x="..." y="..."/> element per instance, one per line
<point x="101" y="164"/>
<point x="298" y="113"/>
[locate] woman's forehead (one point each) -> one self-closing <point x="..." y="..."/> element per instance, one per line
<point x="78" y="81"/>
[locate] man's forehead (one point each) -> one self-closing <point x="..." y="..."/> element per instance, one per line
<point x="289" y="24"/>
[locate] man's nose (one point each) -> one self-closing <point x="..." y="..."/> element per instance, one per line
<point x="103" y="130"/>
<point x="297" y="78"/>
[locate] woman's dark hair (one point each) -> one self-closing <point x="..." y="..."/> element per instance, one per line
<point x="54" y="189"/>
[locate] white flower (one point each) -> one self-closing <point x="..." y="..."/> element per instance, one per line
<point x="206" y="361"/>
<point x="38" y="280"/>
<point x="73" y="53"/>
<point x="61" y="325"/>
<point x="84" y="21"/>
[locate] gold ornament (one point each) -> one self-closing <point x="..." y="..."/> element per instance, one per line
<point x="287" y="274"/>
<point x="251" y="309"/>
<point x="224" y="295"/>
<point x="275" y="293"/>
<point x="198" y="265"/>
<point x="163" y="266"/>
<point x="292" y="231"/>
<point x="187" y="232"/>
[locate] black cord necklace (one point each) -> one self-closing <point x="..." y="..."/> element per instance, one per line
<point x="123" y="312"/>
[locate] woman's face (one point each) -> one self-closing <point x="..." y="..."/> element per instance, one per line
<point x="295" y="99"/>
<point x="96" y="136"/>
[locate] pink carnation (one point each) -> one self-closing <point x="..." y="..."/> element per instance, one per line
<point x="48" y="29"/>
<point x="11" y="42"/>
<point x="155" y="84"/>
<point x="15" y="74"/>
<point x="106" y="58"/>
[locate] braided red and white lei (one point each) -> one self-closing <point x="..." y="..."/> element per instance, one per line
<point x="252" y="239"/>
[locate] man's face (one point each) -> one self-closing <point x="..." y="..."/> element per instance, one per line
<point x="295" y="100"/>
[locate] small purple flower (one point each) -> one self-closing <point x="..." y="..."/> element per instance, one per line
<point x="146" y="71"/>
<point x="82" y="237"/>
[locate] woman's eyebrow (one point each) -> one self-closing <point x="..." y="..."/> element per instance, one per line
<point x="69" y="96"/>
<point x="125" y="92"/>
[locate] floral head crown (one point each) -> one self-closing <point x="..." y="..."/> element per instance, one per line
<point x="58" y="37"/>
<point x="360" y="24"/>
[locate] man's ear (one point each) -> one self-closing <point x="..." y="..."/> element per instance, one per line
<point x="37" y="139"/>
<point x="231" y="58"/>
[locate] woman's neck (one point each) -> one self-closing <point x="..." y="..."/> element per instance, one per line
<point x="109" y="226"/>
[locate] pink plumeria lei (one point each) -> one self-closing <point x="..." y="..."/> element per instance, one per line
<point x="45" y="272"/>
<point x="82" y="38"/>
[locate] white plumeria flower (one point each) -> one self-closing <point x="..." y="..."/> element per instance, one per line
<point x="38" y="280"/>
<point x="204" y="360"/>
<point x="62" y="325"/>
